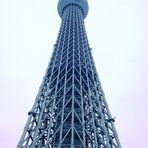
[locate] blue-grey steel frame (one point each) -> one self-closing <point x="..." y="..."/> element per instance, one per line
<point x="70" y="110"/>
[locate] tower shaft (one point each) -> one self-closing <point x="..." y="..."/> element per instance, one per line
<point x="70" y="110"/>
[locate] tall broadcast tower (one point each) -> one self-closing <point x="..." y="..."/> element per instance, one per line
<point x="70" y="110"/>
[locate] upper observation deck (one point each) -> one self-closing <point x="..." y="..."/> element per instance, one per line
<point x="82" y="3"/>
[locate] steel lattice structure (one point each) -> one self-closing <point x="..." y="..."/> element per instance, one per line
<point x="70" y="110"/>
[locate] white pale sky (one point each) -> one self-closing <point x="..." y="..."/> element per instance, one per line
<point x="118" y="34"/>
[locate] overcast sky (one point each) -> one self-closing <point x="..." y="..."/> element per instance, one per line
<point x="118" y="34"/>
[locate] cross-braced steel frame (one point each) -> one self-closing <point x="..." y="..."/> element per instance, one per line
<point x="70" y="110"/>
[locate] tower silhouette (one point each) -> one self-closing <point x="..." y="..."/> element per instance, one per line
<point x="70" y="110"/>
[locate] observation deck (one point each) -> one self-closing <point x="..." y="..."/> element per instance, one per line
<point x="82" y="3"/>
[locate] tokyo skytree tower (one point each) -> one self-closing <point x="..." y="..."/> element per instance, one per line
<point x="70" y="110"/>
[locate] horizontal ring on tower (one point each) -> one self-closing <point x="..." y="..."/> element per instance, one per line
<point x="82" y="3"/>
